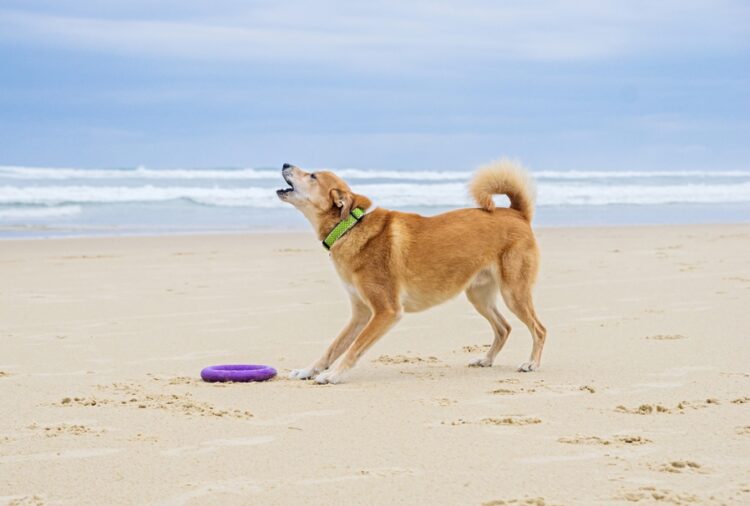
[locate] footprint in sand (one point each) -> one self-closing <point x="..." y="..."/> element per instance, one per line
<point x="424" y="374"/>
<point x="65" y="429"/>
<point x="511" y="420"/>
<point x="133" y="396"/>
<point x="503" y="391"/>
<point x="735" y="374"/>
<point x="179" y="380"/>
<point x="190" y="380"/>
<point x="652" y="495"/>
<point x="23" y="500"/>
<point x="510" y="391"/>
<point x="666" y="337"/>
<point x="614" y="440"/>
<point x="503" y="420"/>
<point x="445" y="401"/>
<point x="650" y="409"/>
<point x="474" y="348"/>
<point x="405" y="359"/>
<point x="679" y="466"/>
<point x="526" y="501"/>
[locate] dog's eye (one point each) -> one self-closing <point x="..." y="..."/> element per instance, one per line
<point x="313" y="176"/>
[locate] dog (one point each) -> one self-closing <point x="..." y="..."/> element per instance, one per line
<point x="392" y="262"/>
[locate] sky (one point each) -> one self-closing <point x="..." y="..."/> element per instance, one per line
<point x="560" y="85"/>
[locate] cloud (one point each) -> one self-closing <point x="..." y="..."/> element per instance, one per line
<point x="387" y="34"/>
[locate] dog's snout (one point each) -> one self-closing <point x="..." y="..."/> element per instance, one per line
<point x="287" y="166"/>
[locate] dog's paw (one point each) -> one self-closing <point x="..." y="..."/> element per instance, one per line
<point x="481" y="362"/>
<point x="528" y="366"/>
<point x="328" y="377"/>
<point x="303" y="374"/>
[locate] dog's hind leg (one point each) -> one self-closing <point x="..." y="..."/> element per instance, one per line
<point x="518" y="272"/>
<point x="360" y="315"/>
<point x="482" y="293"/>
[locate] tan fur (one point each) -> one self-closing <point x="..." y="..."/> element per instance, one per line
<point x="393" y="262"/>
<point x="504" y="177"/>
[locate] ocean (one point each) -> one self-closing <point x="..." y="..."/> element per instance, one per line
<point x="49" y="202"/>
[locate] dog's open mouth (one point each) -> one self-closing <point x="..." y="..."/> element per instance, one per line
<point x="285" y="191"/>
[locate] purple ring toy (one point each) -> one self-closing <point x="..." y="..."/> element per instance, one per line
<point x="238" y="372"/>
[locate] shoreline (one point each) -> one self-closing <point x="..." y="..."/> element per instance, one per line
<point x="180" y="218"/>
<point x="302" y="232"/>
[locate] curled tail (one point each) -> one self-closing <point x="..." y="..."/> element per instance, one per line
<point x="508" y="178"/>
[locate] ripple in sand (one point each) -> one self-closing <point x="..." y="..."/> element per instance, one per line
<point x="550" y="459"/>
<point x="214" y="489"/>
<point x="61" y="455"/>
<point x="217" y="444"/>
<point x="295" y="417"/>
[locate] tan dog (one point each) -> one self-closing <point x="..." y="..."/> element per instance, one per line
<point x="392" y="262"/>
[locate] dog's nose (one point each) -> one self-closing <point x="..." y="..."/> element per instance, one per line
<point x="287" y="166"/>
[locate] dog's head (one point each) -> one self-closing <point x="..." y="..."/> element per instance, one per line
<point x="320" y="196"/>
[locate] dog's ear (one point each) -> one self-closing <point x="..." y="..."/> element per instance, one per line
<point x="346" y="201"/>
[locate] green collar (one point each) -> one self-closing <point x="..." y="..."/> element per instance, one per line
<point x="343" y="227"/>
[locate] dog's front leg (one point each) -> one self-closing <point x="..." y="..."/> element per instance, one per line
<point x="360" y="315"/>
<point x="378" y="325"/>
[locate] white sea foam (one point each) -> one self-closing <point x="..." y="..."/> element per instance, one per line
<point x="42" y="173"/>
<point x="385" y="194"/>
<point x="560" y="194"/>
<point x="62" y="173"/>
<point x="58" y="195"/>
<point x="16" y="213"/>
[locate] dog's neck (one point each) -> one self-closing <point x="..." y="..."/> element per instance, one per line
<point x="326" y="222"/>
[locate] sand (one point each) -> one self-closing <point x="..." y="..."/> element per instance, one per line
<point x="643" y="395"/>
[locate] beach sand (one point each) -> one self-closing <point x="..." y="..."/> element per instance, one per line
<point x="643" y="395"/>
